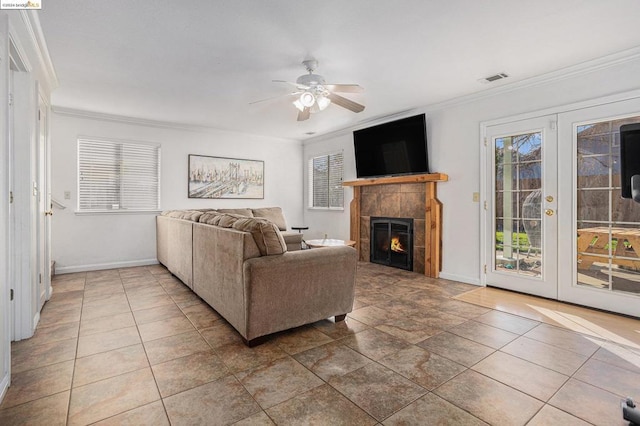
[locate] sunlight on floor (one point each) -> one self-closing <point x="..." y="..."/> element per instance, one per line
<point x="584" y="326"/>
<point x="597" y="324"/>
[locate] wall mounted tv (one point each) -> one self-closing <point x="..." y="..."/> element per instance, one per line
<point x="390" y="149"/>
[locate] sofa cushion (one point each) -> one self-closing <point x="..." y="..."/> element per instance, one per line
<point x="272" y="214"/>
<point x="266" y="235"/>
<point x="192" y="215"/>
<point x="224" y="220"/>
<point x="243" y="212"/>
<point x="227" y="220"/>
<point x="208" y="217"/>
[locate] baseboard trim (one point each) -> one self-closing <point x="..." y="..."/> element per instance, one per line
<point x="36" y="320"/>
<point x="460" y="278"/>
<point x="101" y="266"/>
<point x="4" y="385"/>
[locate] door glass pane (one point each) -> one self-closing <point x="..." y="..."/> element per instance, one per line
<point x="608" y="240"/>
<point x="518" y="198"/>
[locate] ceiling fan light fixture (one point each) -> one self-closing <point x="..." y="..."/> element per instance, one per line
<point x="307" y="99"/>
<point x="323" y="102"/>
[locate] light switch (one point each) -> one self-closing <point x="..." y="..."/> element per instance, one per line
<point x="67" y="195"/>
<point x="476" y="197"/>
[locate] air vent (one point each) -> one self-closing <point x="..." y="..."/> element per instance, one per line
<point x="493" y="78"/>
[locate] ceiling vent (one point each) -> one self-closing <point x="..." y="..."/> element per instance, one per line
<point x="493" y="78"/>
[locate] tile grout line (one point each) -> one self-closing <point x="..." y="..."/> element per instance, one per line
<point x="76" y="354"/>
<point x="144" y="348"/>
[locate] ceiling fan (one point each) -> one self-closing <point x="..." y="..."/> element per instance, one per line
<point x="313" y="94"/>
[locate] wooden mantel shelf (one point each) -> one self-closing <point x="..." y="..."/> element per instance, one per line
<point x="430" y="177"/>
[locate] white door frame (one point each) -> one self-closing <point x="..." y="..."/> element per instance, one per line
<point x="568" y="290"/>
<point x="5" y="319"/>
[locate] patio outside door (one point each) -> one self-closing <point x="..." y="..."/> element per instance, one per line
<point x="600" y="247"/>
<point x="521" y="243"/>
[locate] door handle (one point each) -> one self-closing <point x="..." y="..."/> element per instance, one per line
<point x="549" y="212"/>
<point x="549" y="198"/>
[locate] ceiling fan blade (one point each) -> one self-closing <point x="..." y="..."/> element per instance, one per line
<point x="304" y="114"/>
<point x="344" y="88"/>
<point x="291" y="83"/>
<point x="345" y="103"/>
<point x="273" y="98"/>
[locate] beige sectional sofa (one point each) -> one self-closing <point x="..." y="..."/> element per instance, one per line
<point x="243" y="266"/>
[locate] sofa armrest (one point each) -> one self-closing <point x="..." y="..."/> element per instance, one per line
<point x="293" y="240"/>
<point x="298" y="288"/>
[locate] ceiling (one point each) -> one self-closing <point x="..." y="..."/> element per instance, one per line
<point x="202" y="62"/>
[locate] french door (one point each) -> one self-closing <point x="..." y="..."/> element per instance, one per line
<point x="555" y="223"/>
<point x="521" y="221"/>
<point x="599" y="246"/>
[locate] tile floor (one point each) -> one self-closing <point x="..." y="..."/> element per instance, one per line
<point x="135" y="346"/>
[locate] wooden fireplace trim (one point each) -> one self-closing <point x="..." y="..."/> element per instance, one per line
<point x="433" y="214"/>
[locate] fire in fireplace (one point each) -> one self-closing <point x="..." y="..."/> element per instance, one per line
<point x="392" y="242"/>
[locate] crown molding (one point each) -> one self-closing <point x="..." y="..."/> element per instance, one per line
<point x="92" y="115"/>
<point x="17" y="52"/>
<point x="32" y="24"/>
<point x="582" y="68"/>
<point x="128" y="120"/>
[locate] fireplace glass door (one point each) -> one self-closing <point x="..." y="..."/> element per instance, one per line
<point x="392" y="242"/>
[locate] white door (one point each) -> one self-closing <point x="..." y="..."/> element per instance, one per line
<point x="25" y="218"/>
<point x="520" y="220"/>
<point x="44" y="207"/>
<point x="5" y="343"/>
<point x="600" y="245"/>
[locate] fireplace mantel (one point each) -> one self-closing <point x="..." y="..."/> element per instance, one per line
<point x="429" y="177"/>
<point x="432" y="213"/>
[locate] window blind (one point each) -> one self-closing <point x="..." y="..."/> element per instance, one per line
<point x="325" y="179"/>
<point x="114" y="175"/>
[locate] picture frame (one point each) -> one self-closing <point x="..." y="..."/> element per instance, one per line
<point x="222" y="177"/>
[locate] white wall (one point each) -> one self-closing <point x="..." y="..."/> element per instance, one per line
<point x="84" y="242"/>
<point x="453" y="133"/>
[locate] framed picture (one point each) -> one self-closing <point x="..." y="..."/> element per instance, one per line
<point x="218" y="177"/>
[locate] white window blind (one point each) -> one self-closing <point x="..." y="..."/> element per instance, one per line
<point x="115" y="175"/>
<point x="325" y="181"/>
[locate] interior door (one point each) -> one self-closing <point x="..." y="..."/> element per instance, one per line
<point x="521" y="221"/>
<point x="44" y="207"/>
<point x="600" y="248"/>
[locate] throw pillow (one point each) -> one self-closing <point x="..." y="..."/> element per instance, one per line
<point x="266" y="235"/>
<point x="272" y="214"/>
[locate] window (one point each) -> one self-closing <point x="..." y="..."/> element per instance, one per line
<point x="325" y="181"/>
<point x="115" y="175"/>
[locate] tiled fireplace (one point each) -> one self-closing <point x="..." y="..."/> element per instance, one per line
<point x="402" y="197"/>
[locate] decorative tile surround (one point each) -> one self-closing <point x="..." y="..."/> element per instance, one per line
<point x="405" y="200"/>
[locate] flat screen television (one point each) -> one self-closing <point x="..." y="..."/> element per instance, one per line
<point x="390" y="149"/>
<point x="629" y="156"/>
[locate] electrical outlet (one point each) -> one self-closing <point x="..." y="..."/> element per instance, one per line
<point x="476" y="197"/>
<point x="67" y="195"/>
